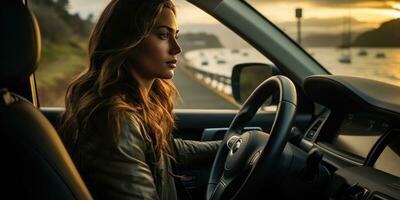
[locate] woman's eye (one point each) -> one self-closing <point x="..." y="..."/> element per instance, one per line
<point x="164" y="35"/>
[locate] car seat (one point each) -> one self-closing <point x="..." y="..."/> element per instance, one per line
<point x="35" y="163"/>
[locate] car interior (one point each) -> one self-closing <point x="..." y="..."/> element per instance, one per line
<point x="37" y="165"/>
<point x="331" y="136"/>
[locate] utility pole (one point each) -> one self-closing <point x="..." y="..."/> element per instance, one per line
<point x="299" y="14"/>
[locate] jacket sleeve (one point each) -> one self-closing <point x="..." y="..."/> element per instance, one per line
<point x="121" y="171"/>
<point x="189" y="152"/>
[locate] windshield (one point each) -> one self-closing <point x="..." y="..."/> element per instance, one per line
<point x="348" y="37"/>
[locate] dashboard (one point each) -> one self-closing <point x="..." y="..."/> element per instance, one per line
<point x="359" y="133"/>
<point x="389" y="159"/>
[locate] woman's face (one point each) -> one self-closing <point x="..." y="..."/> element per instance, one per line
<point x="157" y="53"/>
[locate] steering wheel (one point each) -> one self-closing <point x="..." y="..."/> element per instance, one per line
<point x="245" y="160"/>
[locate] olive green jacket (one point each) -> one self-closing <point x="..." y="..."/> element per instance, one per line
<point x="128" y="170"/>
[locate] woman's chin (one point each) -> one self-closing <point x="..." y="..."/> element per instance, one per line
<point x="168" y="75"/>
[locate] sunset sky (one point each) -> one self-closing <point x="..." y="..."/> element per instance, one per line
<point x="363" y="10"/>
<point x="318" y="15"/>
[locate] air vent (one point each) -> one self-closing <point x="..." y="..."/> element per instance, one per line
<point x="314" y="128"/>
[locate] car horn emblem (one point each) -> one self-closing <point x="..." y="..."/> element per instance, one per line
<point x="234" y="143"/>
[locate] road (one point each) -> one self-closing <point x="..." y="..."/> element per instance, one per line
<point x="196" y="95"/>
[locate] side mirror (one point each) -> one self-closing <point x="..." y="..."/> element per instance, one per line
<point x="247" y="76"/>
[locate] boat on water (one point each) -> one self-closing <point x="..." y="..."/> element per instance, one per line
<point x="221" y="61"/>
<point x="345" y="58"/>
<point x="204" y="62"/>
<point x="380" y="55"/>
<point x="362" y="52"/>
<point x="235" y="50"/>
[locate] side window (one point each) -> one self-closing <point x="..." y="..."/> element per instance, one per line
<point x="64" y="48"/>
<point x="209" y="52"/>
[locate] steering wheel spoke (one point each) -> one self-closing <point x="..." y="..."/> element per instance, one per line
<point x="220" y="188"/>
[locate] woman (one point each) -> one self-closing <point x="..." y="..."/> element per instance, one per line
<point x="118" y="121"/>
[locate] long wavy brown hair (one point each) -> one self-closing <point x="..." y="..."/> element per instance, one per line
<point x="107" y="87"/>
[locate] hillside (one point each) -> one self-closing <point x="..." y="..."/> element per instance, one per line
<point x="56" y="23"/>
<point x="63" y="56"/>
<point x="387" y="35"/>
<point x="191" y="41"/>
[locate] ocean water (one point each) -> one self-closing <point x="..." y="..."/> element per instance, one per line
<point x="221" y="60"/>
<point x="385" y="68"/>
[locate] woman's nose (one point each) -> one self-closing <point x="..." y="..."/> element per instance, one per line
<point x="175" y="48"/>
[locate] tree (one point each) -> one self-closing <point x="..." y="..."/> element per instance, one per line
<point x="62" y="4"/>
<point x="90" y="18"/>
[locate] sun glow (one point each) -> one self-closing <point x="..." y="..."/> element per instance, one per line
<point x="394" y="14"/>
<point x="396" y="6"/>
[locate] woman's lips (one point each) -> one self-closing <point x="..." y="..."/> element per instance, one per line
<point x="172" y="63"/>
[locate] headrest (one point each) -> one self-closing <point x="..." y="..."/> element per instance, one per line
<point x="20" y="42"/>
